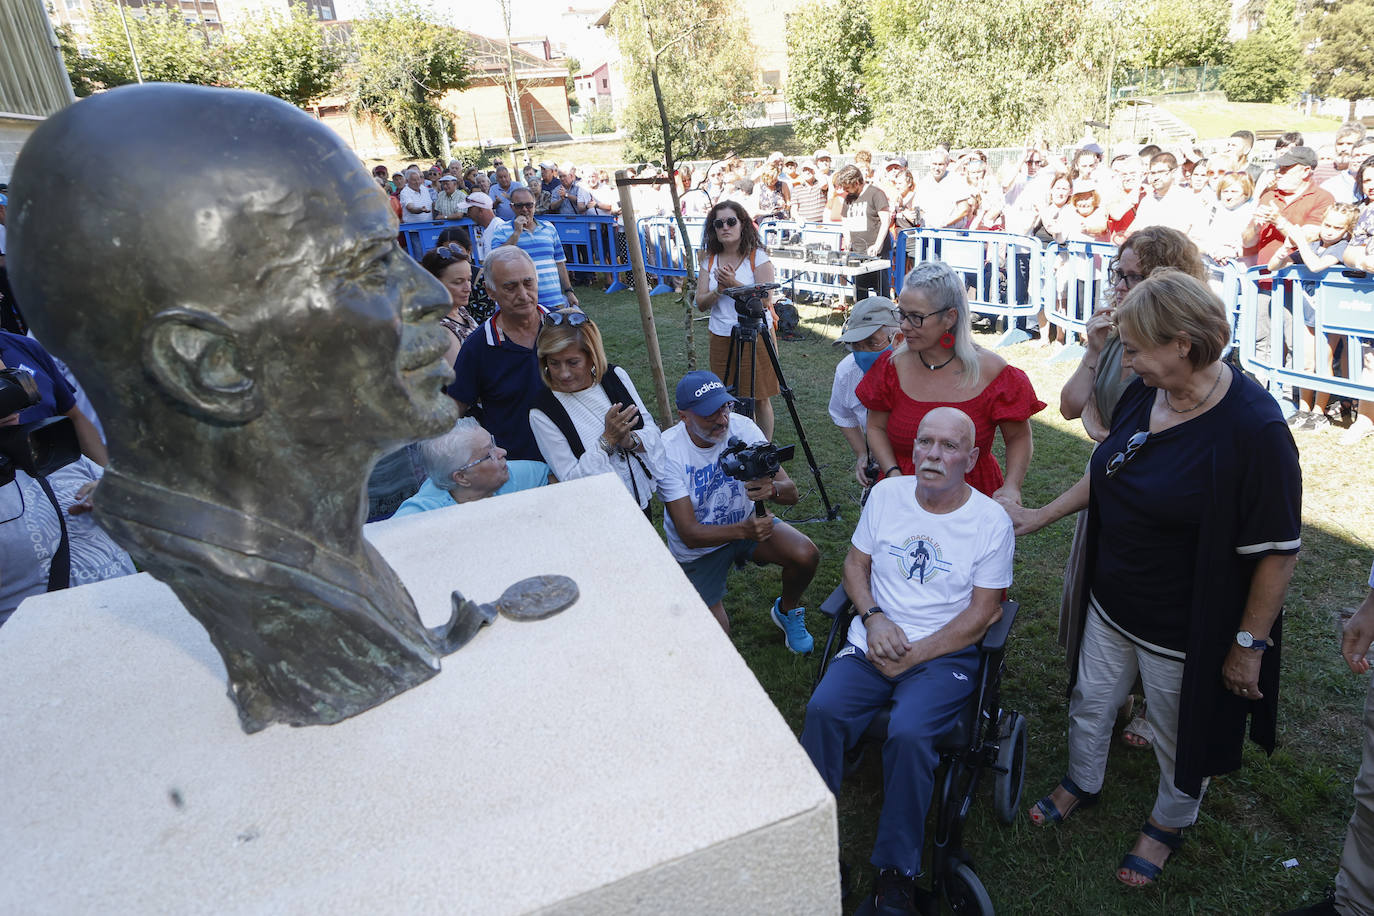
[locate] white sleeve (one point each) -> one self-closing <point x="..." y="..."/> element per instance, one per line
<point x="654" y="456"/>
<point x="558" y="454"/>
<point x="840" y="412"/>
<point x="864" y="533"/>
<point x="992" y="569"/>
<point x="672" y="484"/>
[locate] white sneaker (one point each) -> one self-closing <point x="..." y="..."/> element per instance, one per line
<point x="1362" y="427"/>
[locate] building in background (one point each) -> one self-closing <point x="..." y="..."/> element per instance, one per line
<point x="33" y="81"/>
<point x="483" y="111"/>
<point x="205" y="14"/>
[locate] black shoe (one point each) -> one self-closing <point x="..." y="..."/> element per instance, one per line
<point x="894" y="894"/>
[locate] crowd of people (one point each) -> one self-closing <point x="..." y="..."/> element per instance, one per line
<point x="1190" y="508"/>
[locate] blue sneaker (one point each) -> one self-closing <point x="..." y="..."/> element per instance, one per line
<point x="793" y="625"/>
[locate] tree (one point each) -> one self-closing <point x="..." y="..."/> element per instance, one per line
<point x="1173" y="33"/>
<point x="290" y="58"/>
<point x="1267" y="65"/>
<point x="984" y="72"/>
<point x="511" y="79"/>
<point x="687" y="68"/>
<point x="403" y="63"/>
<point x="169" y="50"/>
<point x="826" y="46"/>
<point x="707" y="77"/>
<point x="1342" y="57"/>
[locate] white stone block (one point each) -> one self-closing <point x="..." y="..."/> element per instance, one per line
<point x="617" y="758"/>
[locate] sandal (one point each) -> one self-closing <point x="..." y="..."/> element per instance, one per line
<point x="1138" y="733"/>
<point x="1049" y="814"/>
<point x="1144" y="867"/>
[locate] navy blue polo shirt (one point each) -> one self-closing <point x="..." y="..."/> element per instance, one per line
<point x="56" y="393"/>
<point x="498" y="379"/>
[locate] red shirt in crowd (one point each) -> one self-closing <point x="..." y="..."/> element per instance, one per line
<point x="1305" y="208"/>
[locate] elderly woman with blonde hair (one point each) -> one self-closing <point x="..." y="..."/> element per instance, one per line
<point x="1194" y="522"/>
<point x="589" y="419"/>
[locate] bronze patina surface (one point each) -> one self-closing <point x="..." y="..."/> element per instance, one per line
<point x="230" y="290"/>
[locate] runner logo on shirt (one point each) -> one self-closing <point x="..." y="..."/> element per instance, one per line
<point x="921" y="558"/>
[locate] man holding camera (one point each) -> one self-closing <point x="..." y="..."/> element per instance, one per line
<point x="711" y="520"/>
<point x="926" y="569"/>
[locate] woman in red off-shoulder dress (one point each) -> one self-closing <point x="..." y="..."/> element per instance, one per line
<point x="938" y="365"/>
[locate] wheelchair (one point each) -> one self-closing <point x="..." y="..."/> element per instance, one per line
<point x="986" y="737"/>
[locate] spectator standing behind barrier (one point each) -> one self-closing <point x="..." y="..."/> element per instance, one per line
<point x="453" y="268"/>
<point x="417" y="206"/>
<point x="1233" y="210"/>
<point x="988" y="203"/>
<point x="590" y="420"/>
<point x="464" y="465"/>
<point x="501" y="191"/>
<point x="1238" y="147"/>
<point x="497" y="373"/>
<point x="913" y="647"/>
<point x="1194" y="522"/>
<point x="906" y="212"/>
<point x="1025" y="186"/>
<point x="1123" y="204"/>
<point x="710" y="517"/>
<point x="539" y="239"/>
<point x="772" y="198"/>
<point x="1297" y="199"/>
<point x="1167" y="204"/>
<point x="869" y="330"/>
<point x="1354" y="895"/>
<point x="569" y="198"/>
<point x="451" y="202"/>
<point x="808" y="195"/>
<point x="937" y="364"/>
<point x="733" y="255"/>
<point x="865" y="214"/>
<point x="946" y="199"/>
<point x="1340" y="182"/>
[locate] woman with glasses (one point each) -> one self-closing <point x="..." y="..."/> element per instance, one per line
<point x="1194" y="522"/>
<point x="732" y="256"/>
<point x="591" y="419"/>
<point x="938" y="365"/>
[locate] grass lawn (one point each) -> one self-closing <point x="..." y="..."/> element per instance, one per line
<point x="1220" y="118"/>
<point x="1293" y="805"/>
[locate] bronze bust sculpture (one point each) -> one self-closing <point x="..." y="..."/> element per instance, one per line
<point x="253" y="339"/>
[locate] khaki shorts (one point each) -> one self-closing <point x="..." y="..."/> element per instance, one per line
<point x="765" y="382"/>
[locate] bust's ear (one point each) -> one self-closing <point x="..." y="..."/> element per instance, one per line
<point x="198" y="360"/>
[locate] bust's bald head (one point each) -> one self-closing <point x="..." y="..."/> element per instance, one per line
<point x="239" y="262"/>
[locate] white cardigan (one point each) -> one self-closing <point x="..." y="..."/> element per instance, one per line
<point x="587" y="409"/>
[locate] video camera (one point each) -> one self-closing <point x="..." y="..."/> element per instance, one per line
<point x="39" y="448"/>
<point x="749" y="301"/>
<point x="753" y="462"/>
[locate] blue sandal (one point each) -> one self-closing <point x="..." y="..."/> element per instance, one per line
<point x="1049" y="814"/>
<point x="1143" y="867"/>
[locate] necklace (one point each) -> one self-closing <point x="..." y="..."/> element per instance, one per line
<point x="1205" y="397"/>
<point x="933" y="368"/>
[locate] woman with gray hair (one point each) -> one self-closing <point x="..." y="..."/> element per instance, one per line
<point x="938" y="365"/>
<point x="464" y="465"/>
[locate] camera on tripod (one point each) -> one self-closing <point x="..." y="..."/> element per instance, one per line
<point x="753" y="462"/>
<point x="39" y="448"/>
<point x="749" y="304"/>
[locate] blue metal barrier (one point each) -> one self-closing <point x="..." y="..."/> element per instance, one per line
<point x="1003" y="271"/>
<point x="589" y="242"/>
<point x="663" y="253"/>
<point x="1080" y="287"/>
<point x="1340" y="306"/>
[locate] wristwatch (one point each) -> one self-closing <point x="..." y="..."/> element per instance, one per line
<point x="863" y="618"/>
<point x="1246" y="640"/>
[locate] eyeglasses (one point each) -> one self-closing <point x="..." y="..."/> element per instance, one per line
<point x="917" y="319"/>
<point x="1123" y="457"/>
<point x="527" y="205"/>
<point x="491" y="453"/>
<point x="730" y="221"/>
<point x="1115" y="277"/>
<point x="572" y="318"/>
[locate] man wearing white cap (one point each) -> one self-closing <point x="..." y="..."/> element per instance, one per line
<point x="870" y="329"/>
<point x="478" y="208"/>
<point x="450" y="202"/>
<point x="824" y="166"/>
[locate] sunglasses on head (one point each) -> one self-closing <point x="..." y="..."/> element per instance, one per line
<point x="571" y="318"/>
<point x="730" y="221"/>
<point x="449" y="253"/>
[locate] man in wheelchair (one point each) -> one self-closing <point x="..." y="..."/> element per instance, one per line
<point x="926" y="569"/>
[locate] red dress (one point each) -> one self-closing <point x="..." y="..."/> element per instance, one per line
<point x="1009" y="396"/>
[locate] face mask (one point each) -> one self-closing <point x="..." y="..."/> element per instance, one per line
<point x="865" y="361"/>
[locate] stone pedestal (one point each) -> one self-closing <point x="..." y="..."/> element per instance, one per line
<point x="617" y="758"/>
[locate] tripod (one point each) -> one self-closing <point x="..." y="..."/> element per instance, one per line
<point x="744" y="339"/>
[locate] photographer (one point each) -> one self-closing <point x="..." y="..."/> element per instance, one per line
<point x="711" y="522"/>
<point x="733" y="256"/>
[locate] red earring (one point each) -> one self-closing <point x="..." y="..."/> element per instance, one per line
<point x="947" y="340"/>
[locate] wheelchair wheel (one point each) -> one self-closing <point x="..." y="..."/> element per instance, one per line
<point x="965" y="894"/>
<point x="1011" y="756"/>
